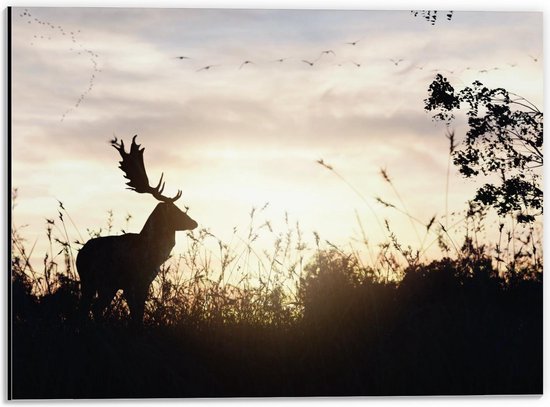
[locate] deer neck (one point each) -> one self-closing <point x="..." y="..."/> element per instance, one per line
<point x="159" y="237"/>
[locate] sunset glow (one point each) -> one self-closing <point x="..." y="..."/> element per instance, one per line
<point x="251" y="203"/>
<point x="237" y="136"/>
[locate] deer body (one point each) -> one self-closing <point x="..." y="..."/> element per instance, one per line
<point x="131" y="261"/>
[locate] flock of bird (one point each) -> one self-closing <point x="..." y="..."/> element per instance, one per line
<point x="326" y="55"/>
<point x="280" y="60"/>
<point x="431" y="15"/>
<point x="309" y="62"/>
<point x="395" y="62"/>
<point x="50" y="30"/>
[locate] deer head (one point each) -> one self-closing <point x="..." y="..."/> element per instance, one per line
<point x="172" y="218"/>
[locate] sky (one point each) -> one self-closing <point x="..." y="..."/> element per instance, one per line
<point x="53" y="79"/>
<point x="237" y="136"/>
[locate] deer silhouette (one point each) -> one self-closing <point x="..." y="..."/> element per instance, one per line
<point x="131" y="261"/>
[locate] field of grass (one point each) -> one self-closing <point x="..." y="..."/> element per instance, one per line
<point x="302" y="319"/>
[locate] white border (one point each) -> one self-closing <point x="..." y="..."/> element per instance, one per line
<point x="493" y="5"/>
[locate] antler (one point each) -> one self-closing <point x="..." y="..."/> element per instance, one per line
<point x="134" y="170"/>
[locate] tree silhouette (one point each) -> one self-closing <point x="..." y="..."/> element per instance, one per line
<point x="504" y="139"/>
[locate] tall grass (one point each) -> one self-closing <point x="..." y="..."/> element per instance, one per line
<point x="242" y="281"/>
<point x="303" y="317"/>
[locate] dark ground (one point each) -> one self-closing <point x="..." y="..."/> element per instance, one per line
<point x="431" y="335"/>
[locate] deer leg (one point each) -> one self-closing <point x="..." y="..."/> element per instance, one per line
<point x="104" y="297"/>
<point x="136" y="302"/>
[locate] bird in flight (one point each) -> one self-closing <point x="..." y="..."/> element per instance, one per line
<point x="280" y="59"/>
<point x="328" y="51"/>
<point x="446" y="70"/>
<point x="324" y="164"/>
<point x="245" y="63"/>
<point x="354" y="42"/>
<point x="356" y="64"/>
<point x="397" y="61"/>
<point x="182" y="57"/>
<point x="535" y="59"/>
<point x="206" y="68"/>
<point x="496" y="68"/>
<point x="309" y="63"/>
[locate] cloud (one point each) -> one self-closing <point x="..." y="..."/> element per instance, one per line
<point x="232" y="138"/>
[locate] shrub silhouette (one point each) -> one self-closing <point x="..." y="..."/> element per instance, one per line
<point x="328" y="282"/>
<point x="24" y="303"/>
